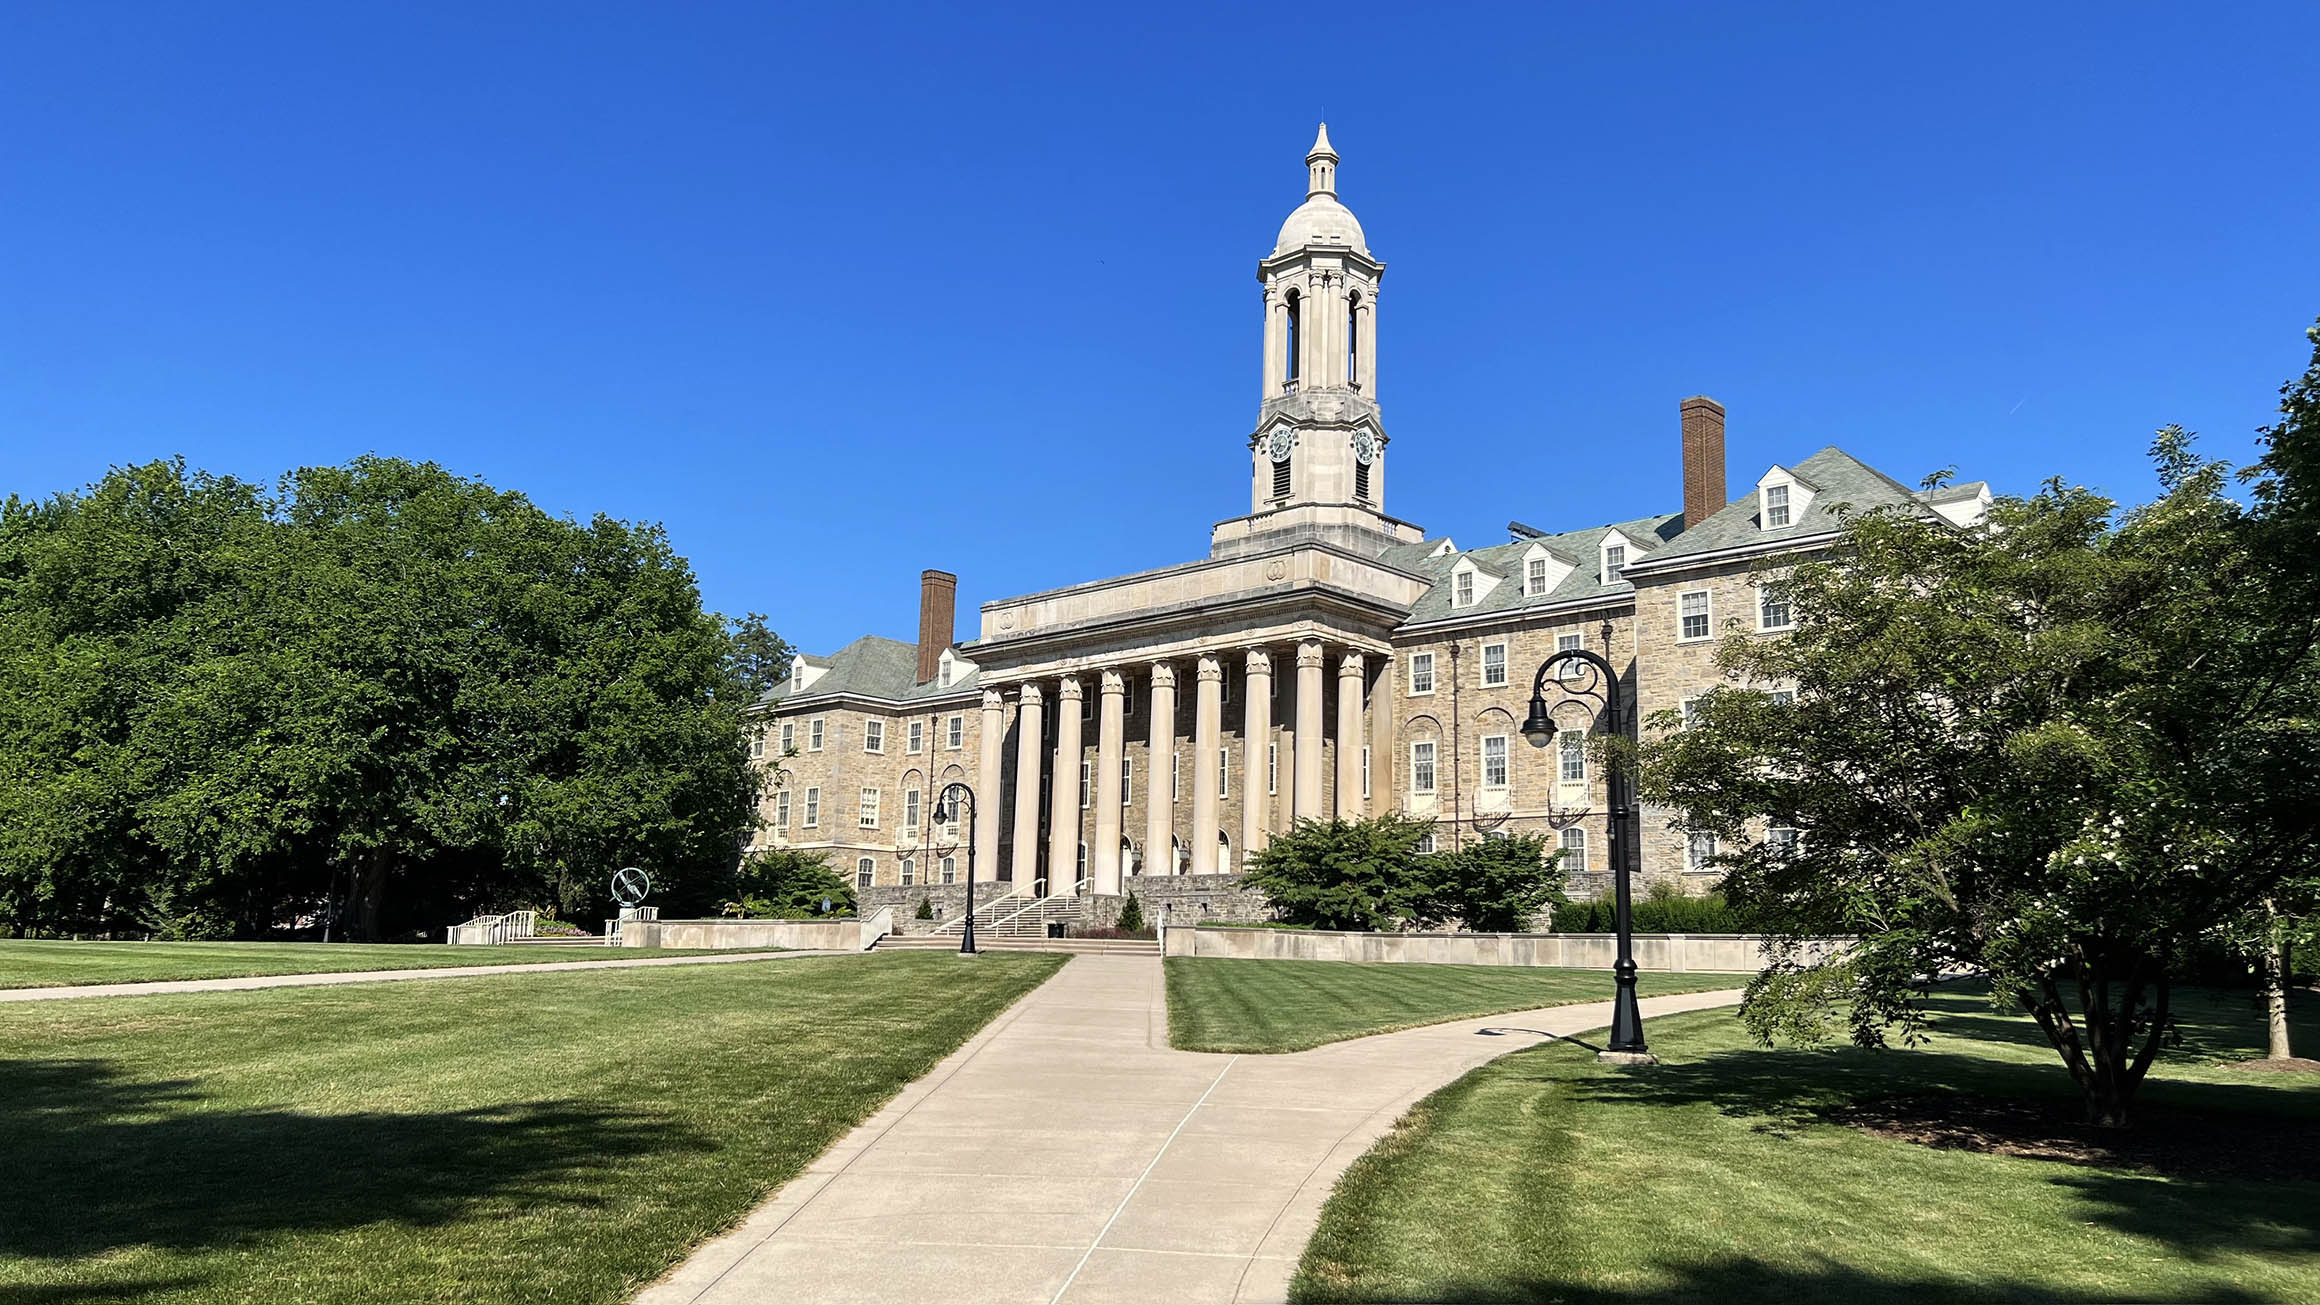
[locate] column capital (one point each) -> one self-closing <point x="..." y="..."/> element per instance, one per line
<point x="1310" y="656"/>
<point x="993" y="700"/>
<point x="1031" y="695"/>
<point x="1163" y="675"/>
<point x="1260" y="662"/>
<point x="1114" y="684"/>
<point x="1211" y="669"/>
<point x="1351" y="666"/>
<point x="1067" y="689"/>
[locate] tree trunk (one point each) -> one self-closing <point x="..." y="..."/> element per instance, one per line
<point x="2119" y="1040"/>
<point x="370" y="894"/>
<point x="2276" y="963"/>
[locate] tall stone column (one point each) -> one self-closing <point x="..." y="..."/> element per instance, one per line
<point x="1351" y="672"/>
<point x="1028" y="726"/>
<point x="1063" y="816"/>
<point x="1111" y="729"/>
<point x="1256" y="736"/>
<point x="1308" y="749"/>
<point x="988" y="766"/>
<point x="1207" y="727"/>
<point x="1160" y="789"/>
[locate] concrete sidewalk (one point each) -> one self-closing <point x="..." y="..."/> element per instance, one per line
<point x="1066" y="1154"/>
<point x="159" y="987"/>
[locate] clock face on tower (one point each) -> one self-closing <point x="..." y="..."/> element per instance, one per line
<point x="1365" y="448"/>
<point x="1280" y="442"/>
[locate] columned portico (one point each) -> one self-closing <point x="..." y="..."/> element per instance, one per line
<point x="1111" y="743"/>
<point x="1063" y="780"/>
<point x="1207" y="752"/>
<point x="990" y="756"/>
<point x="1159" y="791"/>
<point x="1028" y="728"/>
<point x="1351" y="676"/>
<point x="1256" y="738"/>
<point x="1309" y="724"/>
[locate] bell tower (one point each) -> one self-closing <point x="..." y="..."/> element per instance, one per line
<point x="1318" y="454"/>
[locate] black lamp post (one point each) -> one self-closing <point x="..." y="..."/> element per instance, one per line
<point x="946" y="811"/>
<point x="1626" y="1018"/>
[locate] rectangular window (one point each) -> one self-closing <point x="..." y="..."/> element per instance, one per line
<point x="1361" y="477"/>
<point x="1535" y="577"/>
<point x="915" y="740"/>
<point x="1783" y="697"/>
<point x="1772" y="610"/>
<point x="869" y="816"/>
<point x="1087" y="784"/>
<point x="955" y="733"/>
<point x="814" y="735"/>
<point x="1700" y="851"/>
<point x="1614" y="561"/>
<point x="1691" y="711"/>
<point x="1574" y="757"/>
<point x="1175" y="776"/>
<point x="757" y="746"/>
<point x="1281" y="479"/>
<point x="874" y="736"/>
<point x="909" y="871"/>
<point x="1574" y="848"/>
<point x="1426" y="845"/>
<point x="950" y="869"/>
<point x="1462" y="595"/>
<point x="1087" y="707"/>
<point x="1365" y="772"/>
<point x="1775" y="506"/>
<point x="781" y="809"/>
<point x="1781" y="840"/>
<point x="788" y="737"/>
<point x="1127" y="701"/>
<point x="1494" y="761"/>
<point x="1272" y="769"/>
<point x="1224" y="772"/>
<point x="910" y="811"/>
<point x="1421" y="673"/>
<point x="1693" y="607"/>
<point x="1574" y="669"/>
<point x="1422" y="767"/>
<point x="863" y="870"/>
<point x="1127" y="778"/>
<point x="1493" y="665"/>
<point x="813" y="808"/>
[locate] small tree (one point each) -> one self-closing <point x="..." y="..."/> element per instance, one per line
<point x="925" y="908"/>
<point x="785" y="882"/>
<point x="1498" y="885"/>
<point x="1131" y="915"/>
<point x="1347" y="874"/>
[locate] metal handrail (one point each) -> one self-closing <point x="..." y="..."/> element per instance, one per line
<point x="1036" y="904"/>
<point x="960" y="921"/>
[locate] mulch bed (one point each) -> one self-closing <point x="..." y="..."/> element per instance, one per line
<point x="2286" y="1065"/>
<point x="2163" y="1141"/>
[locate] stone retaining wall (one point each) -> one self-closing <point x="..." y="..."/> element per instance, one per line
<point x="1739" y="953"/>
<point x="847" y="935"/>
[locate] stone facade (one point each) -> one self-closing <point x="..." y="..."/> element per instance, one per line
<point x="1323" y="660"/>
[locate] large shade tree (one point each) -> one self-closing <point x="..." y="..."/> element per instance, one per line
<point x="380" y="696"/>
<point x="2055" y="750"/>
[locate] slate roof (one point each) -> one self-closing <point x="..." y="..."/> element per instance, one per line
<point x="869" y="667"/>
<point x="1581" y="548"/>
<point x="1838" y="481"/>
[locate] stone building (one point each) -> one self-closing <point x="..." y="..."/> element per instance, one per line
<point x="1323" y="659"/>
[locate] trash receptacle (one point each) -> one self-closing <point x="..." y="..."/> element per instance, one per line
<point x="1055" y="928"/>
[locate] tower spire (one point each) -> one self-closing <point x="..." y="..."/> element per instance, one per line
<point x="1321" y="166"/>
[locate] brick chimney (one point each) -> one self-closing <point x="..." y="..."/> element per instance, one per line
<point x="938" y="618"/>
<point x="1703" y="459"/>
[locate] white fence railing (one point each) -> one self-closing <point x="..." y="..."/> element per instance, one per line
<point x="492" y="929"/>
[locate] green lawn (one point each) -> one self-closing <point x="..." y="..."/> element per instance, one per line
<point x="1216" y="1004"/>
<point x="557" y="1137"/>
<point x="1715" y="1177"/>
<point x="42" y="963"/>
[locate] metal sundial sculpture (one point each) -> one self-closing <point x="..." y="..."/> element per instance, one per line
<point x="629" y="885"/>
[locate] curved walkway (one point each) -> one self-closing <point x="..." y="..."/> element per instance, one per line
<point x="160" y="986"/>
<point x="1067" y="1156"/>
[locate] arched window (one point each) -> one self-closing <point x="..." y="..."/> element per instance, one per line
<point x="1296" y="304"/>
<point x="863" y="869"/>
<point x="1353" y="339"/>
<point x="909" y="871"/>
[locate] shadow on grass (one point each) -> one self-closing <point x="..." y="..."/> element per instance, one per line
<point x="1750" y="1282"/>
<point x="99" y="1161"/>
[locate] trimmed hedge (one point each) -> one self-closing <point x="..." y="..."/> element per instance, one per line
<point x="1658" y="913"/>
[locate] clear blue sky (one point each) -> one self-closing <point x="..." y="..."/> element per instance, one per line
<point x="812" y="285"/>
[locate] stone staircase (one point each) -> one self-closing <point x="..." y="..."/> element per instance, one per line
<point x="1018" y="923"/>
<point x="929" y="942"/>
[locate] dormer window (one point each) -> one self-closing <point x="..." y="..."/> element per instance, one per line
<point x="1781" y="499"/>
<point x="1462" y="590"/>
<point x="1534" y="577"/>
<point x="1614" y="561"/>
<point x="1775" y="506"/>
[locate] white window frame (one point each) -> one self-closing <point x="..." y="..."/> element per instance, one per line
<point x="1765" y="598"/>
<point x="816" y="734"/>
<point x="874" y="737"/>
<point x="1773" y="839"/>
<point x="1575" y="845"/>
<point x="1485" y="747"/>
<point x="1175" y="775"/>
<point x="1462" y="589"/>
<point x="955" y="733"/>
<point x="788" y="737"/>
<point x="1423" y="756"/>
<point x="1483" y="667"/>
<point x="865" y="871"/>
<point x="1365" y="771"/>
<point x="1571" y="670"/>
<point x="1611" y="565"/>
<point x="909" y="870"/>
<point x="813" y="813"/>
<point x="1706" y="615"/>
<point x="1426" y="844"/>
<point x="1272" y="769"/>
<point x="781" y="810"/>
<point x="1421" y="663"/>
<point x="950" y="869"/>
<point x="1689" y="712"/>
<point x="1700" y="848"/>
<point x="1570" y="755"/>
<point x="866" y="811"/>
<point x="1087" y="783"/>
<point x="910" y="811"/>
<point x="756" y="747"/>
<point x="1777" y="508"/>
<point x="1224" y="771"/>
<point x="1534" y="577"/>
<point x="914" y="737"/>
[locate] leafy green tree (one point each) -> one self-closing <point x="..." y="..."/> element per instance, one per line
<point x="787" y="883"/>
<point x="1347" y="874"/>
<point x="758" y="658"/>
<point x="1498" y="885"/>
<point x="2025" y="750"/>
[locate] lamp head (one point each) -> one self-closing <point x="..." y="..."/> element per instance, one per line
<point x="1539" y="728"/>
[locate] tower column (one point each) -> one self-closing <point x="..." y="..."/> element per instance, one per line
<point x="1111" y="727"/>
<point x="1309" y="687"/>
<point x="989" y="762"/>
<point x="1028" y="726"/>
<point x="1160" y="789"/>
<point x="1256" y="737"/>
<point x="1207" y="724"/>
<point x="1063" y="816"/>
<point x="1351" y="673"/>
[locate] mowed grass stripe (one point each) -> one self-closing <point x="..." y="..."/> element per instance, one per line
<point x="549" y="1137"/>
<point x="45" y="963"/>
<point x="1222" y="1005"/>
